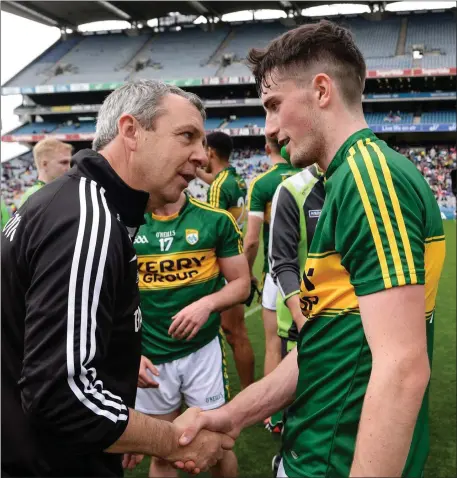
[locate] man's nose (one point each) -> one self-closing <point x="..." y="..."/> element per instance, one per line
<point x="271" y="127"/>
<point x="200" y="157"/>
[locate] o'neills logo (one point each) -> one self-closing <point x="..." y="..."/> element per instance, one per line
<point x="176" y="270"/>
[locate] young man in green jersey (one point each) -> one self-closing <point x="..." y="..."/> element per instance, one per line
<point x="260" y="196"/>
<point x="228" y="191"/>
<point x="52" y="160"/>
<point x="368" y="292"/>
<point x="191" y="267"/>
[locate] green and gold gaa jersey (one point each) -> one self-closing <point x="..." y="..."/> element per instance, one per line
<point x="178" y="265"/>
<point x="31" y="190"/>
<point x="260" y="197"/>
<point x="228" y="191"/>
<point x="380" y="227"/>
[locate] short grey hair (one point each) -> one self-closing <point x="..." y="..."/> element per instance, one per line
<point x="141" y="99"/>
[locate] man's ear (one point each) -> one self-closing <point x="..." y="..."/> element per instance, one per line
<point x="323" y="88"/>
<point x="267" y="149"/>
<point x="129" y="130"/>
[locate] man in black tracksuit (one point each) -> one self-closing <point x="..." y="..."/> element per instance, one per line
<point x="71" y="322"/>
<point x="69" y="269"/>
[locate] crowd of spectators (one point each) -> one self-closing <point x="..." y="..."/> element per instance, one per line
<point x="434" y="163"/>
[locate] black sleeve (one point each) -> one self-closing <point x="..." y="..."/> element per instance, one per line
<point x="73" y="255"/>
<point x="284" y="239"/>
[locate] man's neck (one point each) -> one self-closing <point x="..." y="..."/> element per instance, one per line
<point x="337" y="135"/>
<point x="218" y="167"/>
<point x="277" y="160"/>
<point x="43" y="179"/>
<point x="170" y="209"/>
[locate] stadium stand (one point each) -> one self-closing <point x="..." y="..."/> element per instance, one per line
<point x="439" y="117"/>
<point x="247" y="121"/>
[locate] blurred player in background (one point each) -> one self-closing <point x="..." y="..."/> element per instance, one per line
<point x="228" y="191"/>
<point x="185" y="250"/>
<point x="260" y="196"/>
<point x="5" y="214"/>
<point x="52" y="160"/>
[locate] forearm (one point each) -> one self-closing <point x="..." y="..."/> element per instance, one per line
<point x="204" y="176"/>
<point x="251" y="248"/>
<point x="392" y="402"/>
<point x="293" y="304"/>
<point x="145" y="435"/>
<point x="267" y="396"/>
<point x="234" y="292"/>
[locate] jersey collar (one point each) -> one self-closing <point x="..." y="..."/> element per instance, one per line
<point x="342" y="153"/>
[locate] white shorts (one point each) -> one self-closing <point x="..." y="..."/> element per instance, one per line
<point x="281" y="471"/>
<point x="269" y="294"/>
<point x="199" y="378"/>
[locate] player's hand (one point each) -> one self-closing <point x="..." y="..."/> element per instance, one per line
<point x="144" y="378"/>
<point x="189" y="320"/>
<point x="203" y="451"/>
<point x="131" y="460"/>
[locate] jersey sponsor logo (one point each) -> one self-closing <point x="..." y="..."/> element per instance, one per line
<point x="215" y="398"/>
<point x="11" y="226"/>
<point x="141" y="239"/>
<point x="192" y="236"/>
<point x="325" y="285"/>
<point x="314" y="213"/>
<point x="163" y="235"/>
<point x="177" y="270"/>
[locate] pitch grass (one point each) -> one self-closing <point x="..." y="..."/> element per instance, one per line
<point x="255" y="447"/>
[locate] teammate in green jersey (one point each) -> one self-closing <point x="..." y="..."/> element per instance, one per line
<point x="52" y="160"/>
<point x="185" y="250"/>
<point x="360" y="391"/>
<point x="260" y="196"/>
<point x="228" y="191"/>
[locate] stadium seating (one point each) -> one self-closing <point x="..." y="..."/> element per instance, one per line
<point x="382" y="118"/>
<point x="375" y="39"/>
<point x="182" y="54"/>
<point x="435" y="32"/>
<point x="439" y="117"/>
<point x="401" y="62"/>
<point x="35" y="128"/>
<point x="39" y="70"/>
<point x="213" y="123"/>
<point x="99" y="58"/>
<point x="438" y="61"/>
<point x="82" y="127"/>
<point x="247" y="121"/>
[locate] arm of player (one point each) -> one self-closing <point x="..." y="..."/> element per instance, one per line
<point x="394" y="324"/>
<point x="283" y="250"/>
<point x="208" y="178"/>
<point x="380" y="235"/>
<point x="258" y="401"/>
<point x="189" y="320"/>
<point x="251" y="239"/>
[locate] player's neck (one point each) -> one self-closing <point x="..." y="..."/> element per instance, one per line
<point x="218" y="167"/>
<point x="170" y="209"/>
<point x="277" y="160"/>
<point x="43" y="178"/>
<point x="337" y="135"/>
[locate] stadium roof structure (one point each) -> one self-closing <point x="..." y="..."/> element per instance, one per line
<point x="70" y="14"/>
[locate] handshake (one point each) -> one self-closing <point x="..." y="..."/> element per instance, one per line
<point x="200" y="440"/>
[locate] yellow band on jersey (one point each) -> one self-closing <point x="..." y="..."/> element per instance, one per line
<point x="176" y="270"/>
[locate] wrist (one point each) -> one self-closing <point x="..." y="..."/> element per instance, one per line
<point x="167" y="445"/>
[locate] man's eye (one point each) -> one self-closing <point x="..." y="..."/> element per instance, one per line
<point x="188" y="134"/>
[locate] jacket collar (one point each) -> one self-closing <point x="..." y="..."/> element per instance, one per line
<point x="129" y="203"/>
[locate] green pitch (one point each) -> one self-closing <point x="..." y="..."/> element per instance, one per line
<point x="256" y="447"/>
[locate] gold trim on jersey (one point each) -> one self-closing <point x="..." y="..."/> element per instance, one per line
<point x="208" y="207"/>
<point x="371" y="219"/>
<point x="397" y="211"/>
<point x="215" y="190"/>
<point x="165" y="218"/>
<point x="180" y="269"/>
<point x="435" y="253"/>
<point x="251" y="186"/>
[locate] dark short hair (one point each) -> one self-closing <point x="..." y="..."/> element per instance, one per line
<point x="323" y="43"/>
<point x="221" y="143"/>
